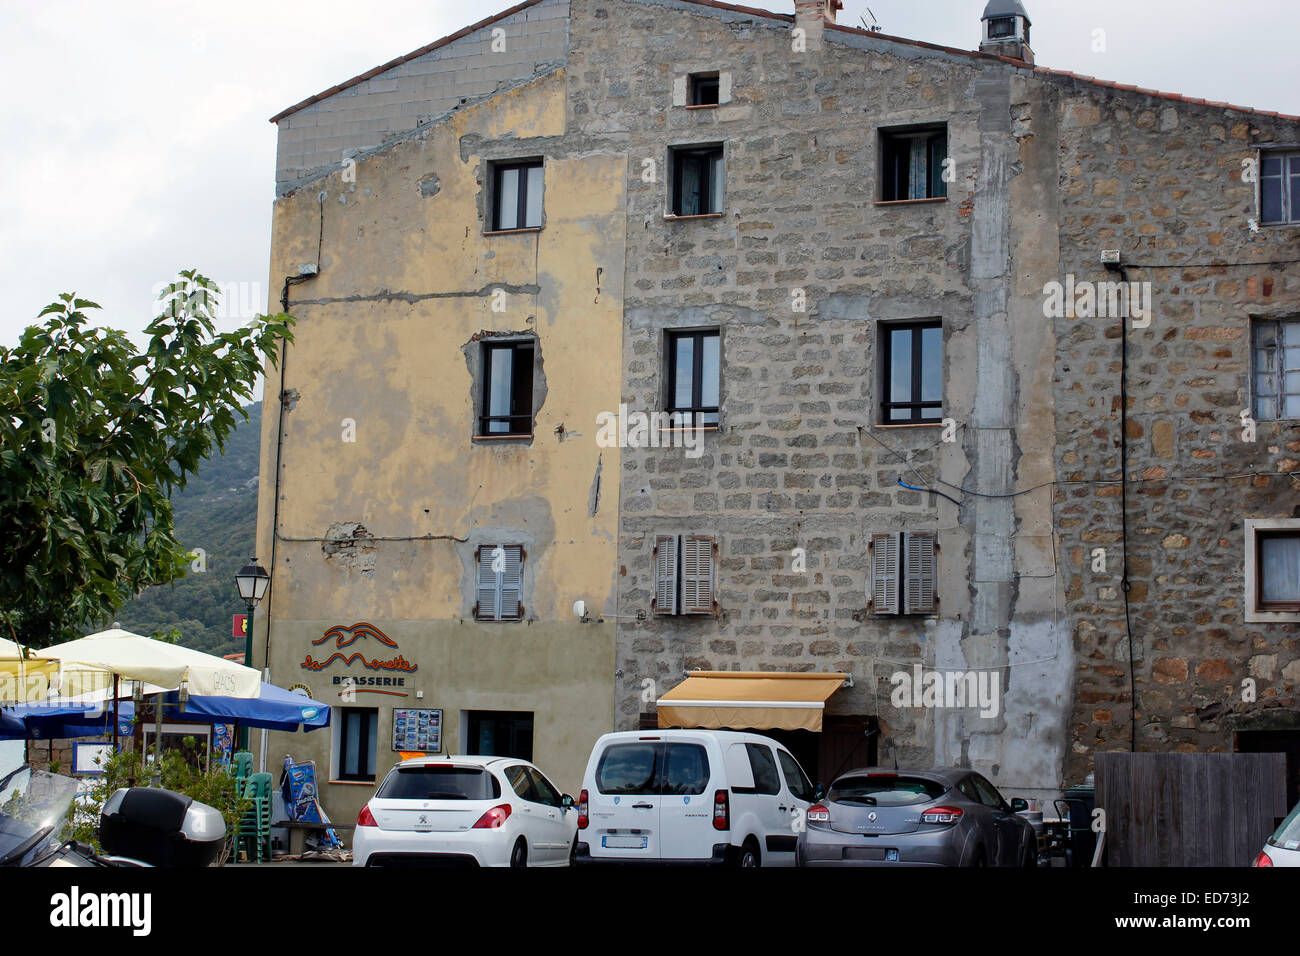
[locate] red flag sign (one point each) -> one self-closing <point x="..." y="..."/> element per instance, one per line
<point x="240" y="628"/>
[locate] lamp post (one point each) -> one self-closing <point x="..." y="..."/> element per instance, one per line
<point x="252" y="581"/>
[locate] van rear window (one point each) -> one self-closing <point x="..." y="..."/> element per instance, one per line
<point x="439" y="783"/>
<point x="686" y="769"/>
<point x="884" y="791"/>
<point x="629" y="769"/>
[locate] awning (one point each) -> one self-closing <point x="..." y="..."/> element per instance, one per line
<point x="736" y="700"/>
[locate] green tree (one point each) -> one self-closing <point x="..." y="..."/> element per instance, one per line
<point x="94" y="437"/>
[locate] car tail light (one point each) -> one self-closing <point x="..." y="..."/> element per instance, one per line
<point x="944" y="815"/>
<point x="818" y="813"/>
<point x="721" y="811"/>
<point x="365" y="818"/>
<point x="494" y="819"/>
<point x="1263" y="859"/>
<point x="583" y="822"/>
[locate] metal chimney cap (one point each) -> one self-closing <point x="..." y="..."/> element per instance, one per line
<point x="1005" y="8"/>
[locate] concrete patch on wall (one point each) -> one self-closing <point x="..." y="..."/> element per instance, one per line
<point x="350" y="547"/>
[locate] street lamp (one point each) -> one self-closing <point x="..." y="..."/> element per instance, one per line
<point x="252" y="581"/>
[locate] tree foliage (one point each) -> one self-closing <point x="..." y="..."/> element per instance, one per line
<point x="95" y="436"/>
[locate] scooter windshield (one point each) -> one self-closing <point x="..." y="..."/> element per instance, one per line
<point x="33" y="802"/>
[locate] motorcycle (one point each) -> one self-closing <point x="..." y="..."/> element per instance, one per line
<point x="139" y="826"/>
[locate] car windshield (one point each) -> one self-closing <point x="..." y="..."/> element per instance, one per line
<point x="1288" y="834"/>
<point x="881" y="790"/>
<point x="32" y="801"/>
<point x="439" y="783"/>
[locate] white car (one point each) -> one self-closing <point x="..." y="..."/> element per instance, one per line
<point x="1283" y="847"/>
<point x="471" y="811"/>
<point x="691" y="796"/>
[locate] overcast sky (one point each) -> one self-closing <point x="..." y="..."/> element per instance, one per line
<point x="136" y="140"/>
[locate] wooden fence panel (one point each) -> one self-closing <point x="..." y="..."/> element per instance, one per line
<point x="1189" y="809"/>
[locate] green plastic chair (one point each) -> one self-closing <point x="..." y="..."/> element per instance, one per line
<point x="255" y="822"/>
<point x="241" y="765"/>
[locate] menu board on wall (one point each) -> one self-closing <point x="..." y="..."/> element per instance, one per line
<point x="417" y="730"/>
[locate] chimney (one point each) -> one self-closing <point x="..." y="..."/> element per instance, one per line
<point x="811" y="16"/>
<point x="1005" y="30"/>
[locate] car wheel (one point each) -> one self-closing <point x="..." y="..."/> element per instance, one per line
<point x="519" y="855"/>
<point x="749" y="855"/>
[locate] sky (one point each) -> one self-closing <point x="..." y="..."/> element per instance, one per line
<point x="136" y="140"/>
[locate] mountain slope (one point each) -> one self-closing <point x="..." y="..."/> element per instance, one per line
<point x="217" y="512"/>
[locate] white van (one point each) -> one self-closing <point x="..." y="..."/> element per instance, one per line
<point x="691" y="796"/>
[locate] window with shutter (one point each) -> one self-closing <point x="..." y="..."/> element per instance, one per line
<point x="665" y="562"/>
<point x="697" y="574"/>
<point x="500" y="592"/>
<point x="919" y="567"/>
<point x="884" y="573"/>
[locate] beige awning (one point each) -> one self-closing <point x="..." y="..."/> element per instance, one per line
<point x="735" y="700"/>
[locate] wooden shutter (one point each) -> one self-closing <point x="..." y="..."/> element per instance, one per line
<point x="884" y="573"/>
<point x="665" y="562"/>
<point x="512" y="584"/>
<point x="697" y="574"/>
<point x="920" y="571"/>
<point x="486" y="607"/>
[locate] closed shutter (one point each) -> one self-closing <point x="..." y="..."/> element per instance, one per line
<point x="918" y="556"/>
<point x="665" y="562"/>
<point x="486" y="608"/>
<point x="500" y="593"/>
<point x="512" y="583"/>
<point x="884" y="573"/>
<point x="697" y="575"/>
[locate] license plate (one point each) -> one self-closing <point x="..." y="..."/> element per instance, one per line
<point x="891" y="856"/>
<point x="623" y="843"/>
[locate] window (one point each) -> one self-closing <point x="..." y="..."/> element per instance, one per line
<point x="499" y="733"/>
<point x="890" y="791"/>
<point x="507" y="404"/>
<point x="1001" y="27"/>
<point x="629" y="769"/>
<point x="357" y="739"/>
<point x="794" y="777"/>
<point x="544" y="789"/>
<point x="988" y="794"/>
<point x="500" y="583"/>
<point x="694" y="375"/>
<point x="704" y="89"/>
<point x="698" y="175"/>
<point x="764" y="768"/>
<point x="1272" y="570"/>
<point x="686" y="770"/>
<point x="1279" y="187"/>
<point x="521" y="783"/>
<point x="517" y="195"/>
<point x="1276" y="367"/>
<point x="438" y="783"/>
<point x="912" y="372"/>
<point x="683" y="568"/>
<point x="903" y="573"/>
<point x="911" y="163"/>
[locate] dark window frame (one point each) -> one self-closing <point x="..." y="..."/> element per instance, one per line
<point x="713" y="154"/>
<point x="1288" y="200"/>
<point x="499" y="169"/>
<point x="893" y="185"/>
<point x="518" y="389"/>
<point x="697" y="406"/>
<point x="368" y="716"/>
<point x="1284" y="607"/>
<point x="704" y="90"/>
<point x="916" y="406"/>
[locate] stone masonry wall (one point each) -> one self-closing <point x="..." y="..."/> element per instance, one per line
<point x="1163" y="182"/>
<point x="797" y="462"/>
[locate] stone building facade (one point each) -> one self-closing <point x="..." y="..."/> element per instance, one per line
<point x="759" y="207"/>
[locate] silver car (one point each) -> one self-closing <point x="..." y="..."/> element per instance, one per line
<point x="947" y="816"/>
